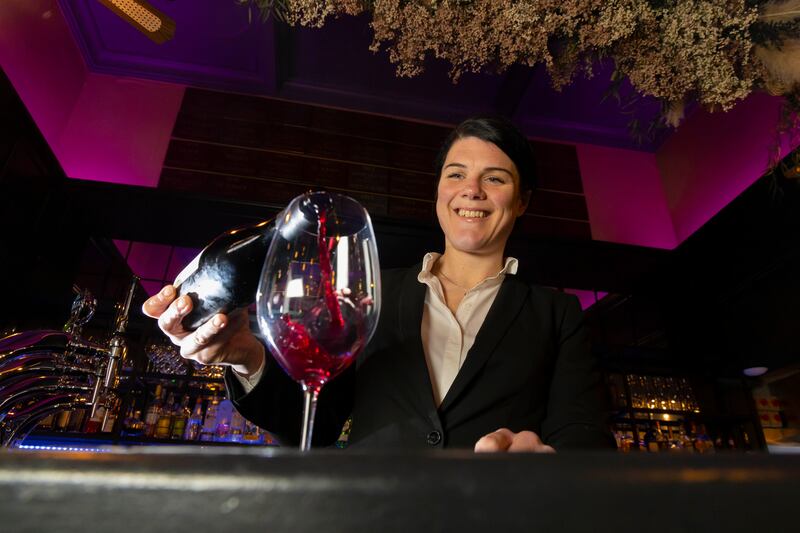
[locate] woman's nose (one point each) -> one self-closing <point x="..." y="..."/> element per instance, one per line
<point x="473" y="190"/>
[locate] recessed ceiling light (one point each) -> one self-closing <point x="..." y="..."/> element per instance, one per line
<point x="755" y="371"/>
<point x="157" y="26"/>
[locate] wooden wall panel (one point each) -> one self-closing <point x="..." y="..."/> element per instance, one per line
<point x="267" y="150"/>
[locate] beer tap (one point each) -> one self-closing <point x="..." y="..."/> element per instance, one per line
<point x="117" y="353"/>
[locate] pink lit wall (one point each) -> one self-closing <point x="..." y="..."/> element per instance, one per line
<point x="625" y="197"/>
<point x="587" y="298"/>
<point x="713" y="157"/>
<point x="119" y="130"/>
<point x="42" y="61"/>
<point x="99" y="127"/>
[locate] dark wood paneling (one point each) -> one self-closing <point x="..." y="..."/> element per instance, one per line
<point x="558" y="167"/>
<point x="558" y="204"/>
<point x="260" y="149"/>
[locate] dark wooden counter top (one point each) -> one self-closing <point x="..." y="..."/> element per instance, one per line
<point x="196" y="490"/>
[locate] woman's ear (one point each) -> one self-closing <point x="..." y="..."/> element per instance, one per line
<point x="524" y="200"/>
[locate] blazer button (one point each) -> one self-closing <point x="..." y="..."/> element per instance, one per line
<point x="434" y="437"/>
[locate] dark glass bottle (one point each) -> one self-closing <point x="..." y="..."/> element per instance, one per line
<point x="224" y="276"/>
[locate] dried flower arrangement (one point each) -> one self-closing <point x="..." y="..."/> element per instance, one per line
<point x="714" y="52"/>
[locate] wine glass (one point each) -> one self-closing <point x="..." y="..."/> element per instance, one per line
<point x="318" y="299"/>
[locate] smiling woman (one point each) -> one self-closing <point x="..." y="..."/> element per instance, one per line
<point x="481" y="192"/>
<point x="465" y="354"/>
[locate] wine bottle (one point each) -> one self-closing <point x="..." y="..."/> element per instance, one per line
<point x="224" y="276"/>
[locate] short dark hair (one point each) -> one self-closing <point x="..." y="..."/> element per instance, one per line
<point x="503" y="134"/>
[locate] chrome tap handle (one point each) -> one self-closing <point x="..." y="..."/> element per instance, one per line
<point x="118" y="346"/>
<point x="83" y="308"/>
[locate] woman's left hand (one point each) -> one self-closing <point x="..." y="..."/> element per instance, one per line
<point x="505" y="440"/>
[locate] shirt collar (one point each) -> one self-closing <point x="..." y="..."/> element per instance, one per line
<point x="510" y="267"/>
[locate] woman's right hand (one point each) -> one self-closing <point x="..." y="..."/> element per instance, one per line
<point x="223" y="340"/>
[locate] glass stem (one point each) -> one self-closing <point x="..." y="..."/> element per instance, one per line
<point x="311" y="393"/>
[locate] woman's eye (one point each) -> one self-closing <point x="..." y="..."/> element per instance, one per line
<point x="495" y="179"/>
<point x="455" y="175"/>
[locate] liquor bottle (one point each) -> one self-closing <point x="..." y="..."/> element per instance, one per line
<point x="132" y="425"/>
<point x="237" y="426"/>
<point x="224" y="276"/>
<point x="685" y="440"/>
<point x="344" y="436"/>
<point x="673" y="443"/>
<point x="210" y="421"/>
<point x="76" y="420"/>
<point x="251" y="433"/>
<point x="151" y="417"/>
<point x="651" y="439"/>
<point x="62" y="420"/>
<point x="165" y="414"/>
<point x="179" y="418"/>
<point x="223" y="431"/>
<point x="195" y="422"/>
<point x="661" y="439"/>
<point x="94" y="423"/>
<point x="47" y="422"/>
<point x="703" y="442"/>
<point x="225" y="413"/>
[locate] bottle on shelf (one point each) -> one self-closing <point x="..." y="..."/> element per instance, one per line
<point x="195" y="422"/>
<point x="252" y="435"/>
<point x="62" y="420"/>
<point x="76" y="420"/>
<point x="661" y="440"/>
<point x="703" y="442"/>
<point x="650" y="443"/>
<point x="225" y="412"/>
<point x="224" y="276"/>
<point x="180" y="417"/>
<point x="151" y="415"/>
<point x="48" y="422"/>
<point x="96" y="421"/>
<point x="132" y="425"/>
<point x="223" y="430"/>
<point x="165" y="418"/>
<point x="210" y="421"/>
<point x="237" y="426"/>
<point x="686" y="441"/>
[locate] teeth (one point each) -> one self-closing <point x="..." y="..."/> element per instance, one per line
<point x="467" y="213"/>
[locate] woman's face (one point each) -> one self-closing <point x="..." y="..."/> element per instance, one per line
<point x="478" y="197"/>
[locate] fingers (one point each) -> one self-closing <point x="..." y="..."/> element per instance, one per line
<point x="156" y="305"/>
<point x="203" y="337"/>
<point x="528" y="441"/>
<point x="505" y="440"/>
<point x="169" y="321"/>
<point x="498" y="441"/>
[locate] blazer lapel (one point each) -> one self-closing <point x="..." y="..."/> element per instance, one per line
<point x="501" y="316"/>
<point x="412" y="362"/>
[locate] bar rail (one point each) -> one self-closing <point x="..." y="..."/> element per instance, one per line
<point x="186" y="489"/>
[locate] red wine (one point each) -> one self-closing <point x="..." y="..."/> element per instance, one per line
<point x="332" y="335"/>
<point x="224" y="276"/>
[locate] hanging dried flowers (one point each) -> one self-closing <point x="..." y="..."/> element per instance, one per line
<point x="714" y="52"/>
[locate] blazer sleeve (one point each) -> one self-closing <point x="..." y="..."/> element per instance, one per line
<point x="577" y="406"/>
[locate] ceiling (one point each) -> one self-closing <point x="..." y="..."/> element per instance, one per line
<point x="217" y="46"/>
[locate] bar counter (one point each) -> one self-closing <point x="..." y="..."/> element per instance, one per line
<point x="186" y="489"/>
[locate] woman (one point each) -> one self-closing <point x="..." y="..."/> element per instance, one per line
<point x="465" y="354"/>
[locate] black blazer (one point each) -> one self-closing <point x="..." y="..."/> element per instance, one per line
<point x="530" y="368"/>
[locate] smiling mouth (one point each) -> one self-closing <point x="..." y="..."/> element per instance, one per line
<point x="471" y="213"/>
